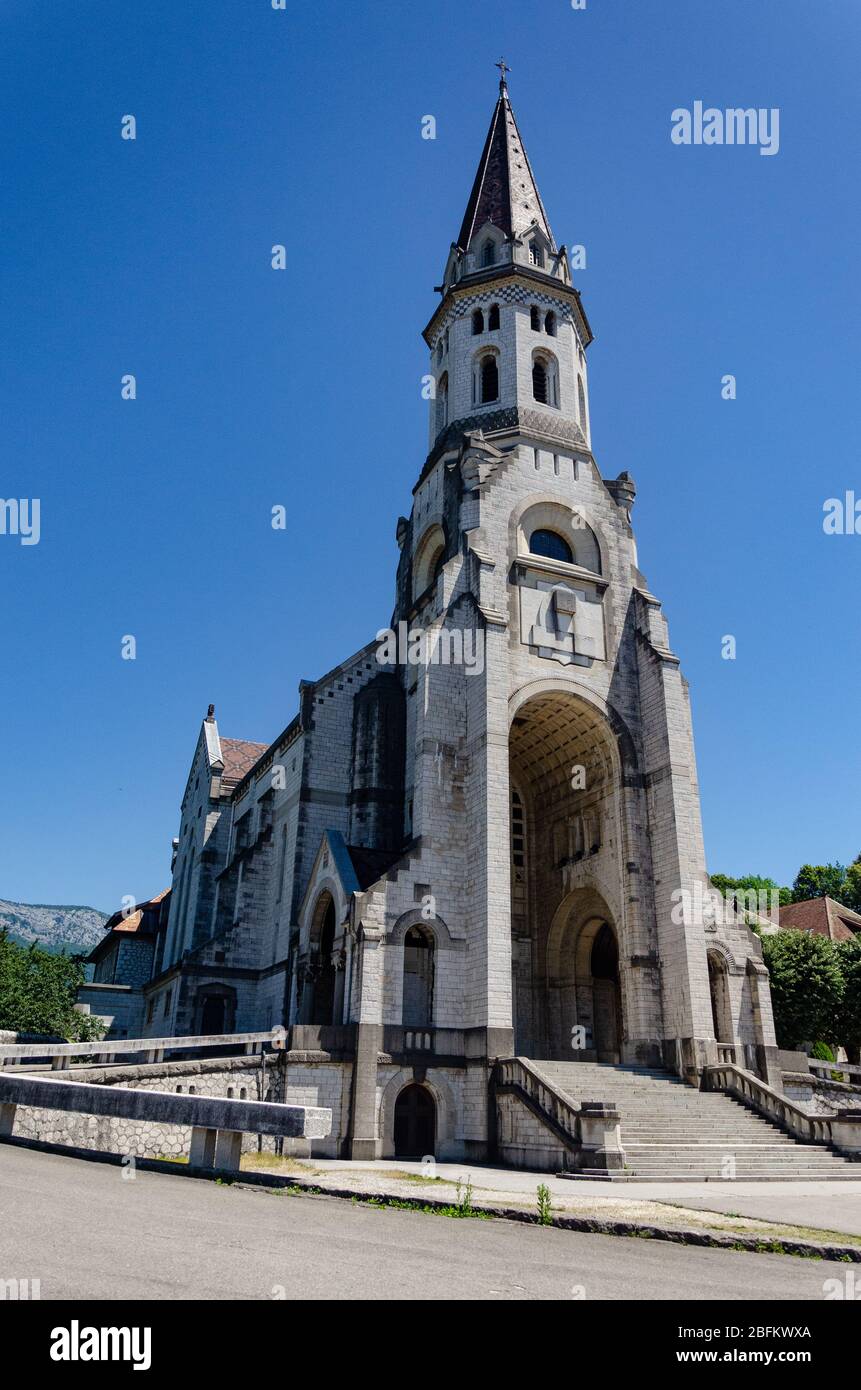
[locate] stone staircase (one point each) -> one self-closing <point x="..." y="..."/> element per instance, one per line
<point x="672" y="1132"/>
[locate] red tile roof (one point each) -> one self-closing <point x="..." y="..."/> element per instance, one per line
<point x="239" y="757"/>
<point x="824" y="916"/>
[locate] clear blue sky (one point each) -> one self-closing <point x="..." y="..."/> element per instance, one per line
<point x="302" y="388"/>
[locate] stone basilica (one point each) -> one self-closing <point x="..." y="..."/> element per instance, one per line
<point x="469" y="848"/>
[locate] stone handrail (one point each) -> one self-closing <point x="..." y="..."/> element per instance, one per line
<point x="155" y="1048"/>
<point x="814" y="1129"/>
<point x="516" y="1071"/>
<point x="589" y="1130"/>
<point x="217" y="1124"/>
<point x="824" y="1069"/>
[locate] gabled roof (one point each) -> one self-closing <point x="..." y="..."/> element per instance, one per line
<point x="143" y="922"/>
<point x="371" y="864"/>
<point x="824" y="916"/>
<point x="504" y="192"/>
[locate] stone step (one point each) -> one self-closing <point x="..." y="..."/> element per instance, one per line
<point x="669" y="1175"/>
<point x="673" y="1132"/>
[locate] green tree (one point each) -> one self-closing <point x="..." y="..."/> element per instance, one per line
<point x="807" y="987"/>
<point x="849" y="956"/>
<point x="38" y="991"/>
<point x="819" y="881"/>
<point x="852" y="886"/>
<point x="726" y="885"/>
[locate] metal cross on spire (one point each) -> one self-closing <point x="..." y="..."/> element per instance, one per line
<point x="503" y="68"/>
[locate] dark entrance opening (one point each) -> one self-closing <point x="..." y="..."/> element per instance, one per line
<point x="324" y="985"/>
<point x="606" y="995"/>
<point x="212" y="1014"/>
<point x="415" y="1122"/>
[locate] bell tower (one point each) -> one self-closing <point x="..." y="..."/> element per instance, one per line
<point x="508" y="340"/>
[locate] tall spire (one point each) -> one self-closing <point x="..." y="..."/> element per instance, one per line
<point x="504" y="192"/>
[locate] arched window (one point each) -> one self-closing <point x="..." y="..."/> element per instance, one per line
<point x="550" y="323"/>
<point x="488" y="252"/>
<point x="539" y="380"/>
<point x="535" y="318"/>
<point x="429" y="559"/>
<point x="581" y="401"/>
<point x="545" y="379"/>
<point x="418" y="979"/>
<point x="551" y="545"/>
<point x="488" y="379"/>
<point x="536" y="253"/>
<point x="323" y="1000"/>
<point x="477" y="323"/>
<point x="493" y="317"/>
<point x="442" y="402"/>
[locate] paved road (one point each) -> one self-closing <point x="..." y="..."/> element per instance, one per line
<point x="85" y="1232"/>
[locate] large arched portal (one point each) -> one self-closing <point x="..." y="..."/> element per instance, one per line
<point x="565" y="855"/>
<point x="719" y="992"/>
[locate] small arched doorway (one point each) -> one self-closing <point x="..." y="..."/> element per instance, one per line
<point x="415" y="1122"/>
<point x="719" y="992"/>
<point x="606" y="996"/>
<point x="215" y="1010"/>
<point x="417" y="1009"/>
<point x="324" y="983"/>
<point x="212" y="1015"/>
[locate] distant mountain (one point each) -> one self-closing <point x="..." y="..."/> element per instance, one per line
<point x="74" y="930"/>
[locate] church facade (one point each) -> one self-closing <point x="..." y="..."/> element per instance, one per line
<point x="480" y="836"/>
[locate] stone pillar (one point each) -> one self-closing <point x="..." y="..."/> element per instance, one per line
<point x="600" y="1138"/>
<point x="201" y="1154"/>
<point x="228" y="1149"/>
<point x="369" y="1035"/>
<point x="846" y="1131"/>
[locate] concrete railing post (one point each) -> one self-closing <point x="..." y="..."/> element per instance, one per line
<point x="201" y="1154"/>
<point x="846" y="1131"/>
<point x="7" y="1119"/>
<point x="228" y="1149"/>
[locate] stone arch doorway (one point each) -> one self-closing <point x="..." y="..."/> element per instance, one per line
<point x="719" y="993"/>
<point x="215" y="1010"/>
<point x="585" y="1014"/>
<point x="415" y="1122"/>
<point x="323" y="939"/>
<point x="606" y="996"/>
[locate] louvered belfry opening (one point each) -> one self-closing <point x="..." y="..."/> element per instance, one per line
<point x="489" y="380"/>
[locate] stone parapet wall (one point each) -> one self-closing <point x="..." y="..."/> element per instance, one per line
<point x="240" y="1078"/>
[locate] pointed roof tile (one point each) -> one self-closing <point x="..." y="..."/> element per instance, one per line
<point x="504" y="192"/>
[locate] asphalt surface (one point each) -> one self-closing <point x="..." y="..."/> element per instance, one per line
<point x="87" y="1233"/>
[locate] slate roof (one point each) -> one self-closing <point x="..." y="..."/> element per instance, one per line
<point x="504" y="192"/>
<point x="371" y="864"/>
